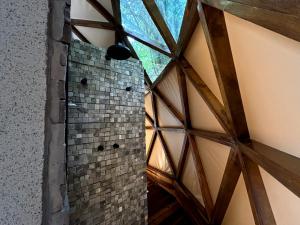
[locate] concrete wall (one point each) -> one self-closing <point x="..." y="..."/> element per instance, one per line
<point x="107" y="185"/>
<point x="23" y="57"/>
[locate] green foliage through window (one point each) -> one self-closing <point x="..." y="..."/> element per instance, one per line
<point x="153" y="61"/>
<point x="172" y="11"/>
<point x="136" y="19"/>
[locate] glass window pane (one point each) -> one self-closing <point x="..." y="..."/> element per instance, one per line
<point x="135" y="18"/>
<point x="153" y="61"/>
<point x="172" y="11"/>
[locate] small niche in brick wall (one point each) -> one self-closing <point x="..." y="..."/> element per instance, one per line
<point x="106" y="156"/>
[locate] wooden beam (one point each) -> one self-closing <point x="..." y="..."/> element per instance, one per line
<point x="116" y="10"/>
<point x="154" y="108"/>
<point x="190" y="204"/>
<point x="163" y="173"/>
<point x="230" y="178"/>
<point x="163" y="181"/>
<point x="160" y="23"/>
<point x="201" y="177"/>
<point x="189" y="23"/>
<point x="211" y="100"/>
<point x="167" y="152"/>
<point x="170" y="107"/>
<point x="221" y="138"/>
<point x="284" y="167"/>
<point x="214" y="27"/>
<point x="183" y="96"/>
<point x="151" y="145"/>
<point x="93" y="24"/>
<point x="164" y="213"/>
<point x="79" y="34"/>
<point x="103" y="11"/>
<point x="183" y="155"/>
<point x="149" y="43"/>
<point x="172" y="129"/>
<point x="287" y="7"/>
<point x="148" y="117"/>
<point x="164" y="73"/>
<point x="282" y="17"/>
<point x="259" y="201"/>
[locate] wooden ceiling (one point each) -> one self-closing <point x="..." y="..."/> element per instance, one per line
<point x="246" y="155"/>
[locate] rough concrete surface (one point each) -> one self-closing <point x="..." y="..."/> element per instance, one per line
<point x="23" y="42"/>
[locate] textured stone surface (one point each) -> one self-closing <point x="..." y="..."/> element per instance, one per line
<point x="23" y="41"/>
<point x="106" y="186"/>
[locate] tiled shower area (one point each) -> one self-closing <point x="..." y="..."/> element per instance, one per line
<point x="105" y="138"/>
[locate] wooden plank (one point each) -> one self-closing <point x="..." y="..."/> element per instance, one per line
<point x="201" y="177"/>
<point x="183" y="96"/>
<point x="211" y="100"/>
<point x="103" y="11"/>
<point x="154" y="135"/>
<point x="170" y="107"/>
<point x="284" y="21"/>
<point x="221" y="138"/>
<point x="284" y="167"/>
<point x="189" y="23"/>
<point x="149" y="43"/>
<point x="160" y="23"/>
<point x="167" y="152"/>
<point x="183" y="155"/>
<point x="160" y="179"/>
<point x="259" y="201"/>
<point x="214" y="27"/>
<point x="93" y="24"/>
<point x="230" y="178"/>
<point x="79" y="34"/>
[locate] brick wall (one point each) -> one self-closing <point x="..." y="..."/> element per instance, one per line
<point x="107" y="183"/>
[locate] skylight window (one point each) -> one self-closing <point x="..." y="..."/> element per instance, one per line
<point x="153" y="61"/>
<point x="135" y="18"/>
<point x="172" y="12"/>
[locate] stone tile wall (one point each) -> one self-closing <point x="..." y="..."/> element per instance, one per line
<point x="106" y="146"/>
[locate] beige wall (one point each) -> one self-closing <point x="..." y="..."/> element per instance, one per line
<point x="268" y="71"/>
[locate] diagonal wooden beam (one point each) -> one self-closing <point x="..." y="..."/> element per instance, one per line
<point x="170" y="107"/>
<point x="284" y="167"/>
<point x="93" y="24"/>
<point x="230" y="178"/>
<point x="259" y="201"/>
<point x="160" y="23"/>
<point x="282" y="17"/>
<point x="103" y="11"/>
<point x="189" y="23"/>
<point x="151" y="146"/>
<point x="154" y="108"/>
<point x="214" y="27"/>
<point x="172" y="129"/>
<point x="79" y="34"/>
<point x="148" y="117"/>
<point x="221" y="138"/>
<point x="149" y="43"/>
<point x="162" y="173"/>
<point x="164" y="73"/>
<point x="191" y="205"/>
<point x="183" y="96"/>
<point x="211" y="100"/>
<point x="183" y="155"/>
<point x="167" y="152"/>
<point x="201" y="177"/>
<point x="116" y="10"/>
